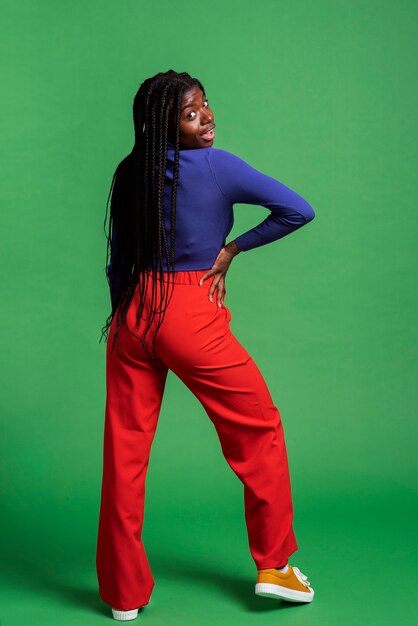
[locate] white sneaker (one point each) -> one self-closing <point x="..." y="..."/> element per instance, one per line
<point x="125" y="616"/>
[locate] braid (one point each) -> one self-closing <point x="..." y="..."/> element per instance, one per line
<point x="175" y="174"/>
<point x="136" y="235"/>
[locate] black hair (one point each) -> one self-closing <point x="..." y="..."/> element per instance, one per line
<point x="136" y="232"/>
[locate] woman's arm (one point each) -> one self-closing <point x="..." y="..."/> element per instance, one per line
<point x="241" y="183"/>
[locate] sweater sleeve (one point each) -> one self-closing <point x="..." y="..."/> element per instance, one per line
<point x="241" y="183"/>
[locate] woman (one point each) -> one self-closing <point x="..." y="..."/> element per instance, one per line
<point x="171" y="210"/>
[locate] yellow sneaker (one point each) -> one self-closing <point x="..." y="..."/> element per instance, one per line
<point x="292" y="585"/>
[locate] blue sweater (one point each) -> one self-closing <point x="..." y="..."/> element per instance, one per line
<point x="210" y="182"/>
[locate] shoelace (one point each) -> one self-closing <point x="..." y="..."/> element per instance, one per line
<point x="303" y="579"/>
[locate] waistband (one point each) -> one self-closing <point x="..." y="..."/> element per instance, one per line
<point x="184" y="277"/>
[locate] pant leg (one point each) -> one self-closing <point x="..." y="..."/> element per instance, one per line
<point x="197" y="344"/>
<point x="134" y="390"/>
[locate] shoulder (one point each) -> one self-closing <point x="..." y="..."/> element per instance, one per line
<point x="220" y="153"/>
<point x="225" y="158"/>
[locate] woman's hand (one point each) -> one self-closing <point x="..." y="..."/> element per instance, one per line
<point x="219" y="270"/>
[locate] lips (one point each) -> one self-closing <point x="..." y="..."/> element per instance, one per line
<point x="209" y="133"/>
<point x="209" y="129"/>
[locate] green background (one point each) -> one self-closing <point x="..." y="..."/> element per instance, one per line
<point x="321" y="96"/>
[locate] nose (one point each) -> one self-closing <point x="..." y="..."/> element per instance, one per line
<point x="208" y="117"/>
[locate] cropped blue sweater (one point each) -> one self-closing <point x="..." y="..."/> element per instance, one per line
<point x="210" y="182"/>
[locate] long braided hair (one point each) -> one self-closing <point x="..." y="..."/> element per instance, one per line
<point x="136" y="232"/>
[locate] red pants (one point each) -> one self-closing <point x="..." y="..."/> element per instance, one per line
<point x="195" y="342"/>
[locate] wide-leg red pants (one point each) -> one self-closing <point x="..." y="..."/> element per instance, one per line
<point x="195" y="342"/>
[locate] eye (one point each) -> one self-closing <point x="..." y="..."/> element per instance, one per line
<point x="205" y="107"/>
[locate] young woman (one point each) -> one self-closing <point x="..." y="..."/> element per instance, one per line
<point x="172" y="203"/>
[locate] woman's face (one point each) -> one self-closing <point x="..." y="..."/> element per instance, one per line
<point x="196" y="121"/>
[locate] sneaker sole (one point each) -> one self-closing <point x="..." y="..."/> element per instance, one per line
<point x="269" y="590"/>
<point x="125" y="616"/>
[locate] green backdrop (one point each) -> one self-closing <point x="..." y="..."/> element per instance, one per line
<point x="321" y="96"/>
